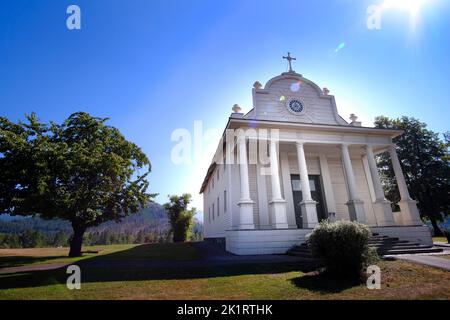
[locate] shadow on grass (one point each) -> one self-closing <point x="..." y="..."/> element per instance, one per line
<point x="324" y="283"/>
<point x="15" y="261"/>
<point x="132" y="265"/>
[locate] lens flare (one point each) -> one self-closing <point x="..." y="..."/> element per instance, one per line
<point x="295" y="87"/>
<point x="339" y="47"/>
<point x="282" y="98"/>
<point x="413" y="6"/>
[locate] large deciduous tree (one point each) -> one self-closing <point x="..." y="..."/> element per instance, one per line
<point x="425" y="162"/>
<point x="180" y="217"/>
<point x="82" y="170"/>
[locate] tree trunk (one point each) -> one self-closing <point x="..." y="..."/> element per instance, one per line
<point x="437" y="230"/>
<point x="76" y="241"/>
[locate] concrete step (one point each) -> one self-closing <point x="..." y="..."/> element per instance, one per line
<point x="388" y="240"/>
<point x="383" y="244"/>
<point x="403" y="247"/>
<point x="403" y="244"/>
<point x="411" y="251"/>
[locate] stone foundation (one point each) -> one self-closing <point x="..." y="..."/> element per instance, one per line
<point x="268" y="241"/>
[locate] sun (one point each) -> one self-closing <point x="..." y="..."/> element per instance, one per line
<point x="413" y="6"/>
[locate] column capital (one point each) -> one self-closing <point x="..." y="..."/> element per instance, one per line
<point x="344" y="145"/>
<point x="368" y="147"/>
<point x="299" y="144"/>
<point x="241" y="138"/>
<point x="274" y="140"/>
<point x="392" y="147"/>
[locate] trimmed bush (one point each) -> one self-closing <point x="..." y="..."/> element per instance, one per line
<point x="343" y="247"/>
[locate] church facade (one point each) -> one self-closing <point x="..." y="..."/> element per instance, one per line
<point x="293" y="161"/>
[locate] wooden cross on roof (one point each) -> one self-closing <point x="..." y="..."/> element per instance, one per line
<point x="289" y="59"/>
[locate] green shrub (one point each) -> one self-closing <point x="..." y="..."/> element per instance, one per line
<point x="343" y="247"/>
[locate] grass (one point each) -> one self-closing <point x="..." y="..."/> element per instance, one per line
<point x="23" y="257"/>
<point x="35" y="256"/>
<point x="400" y="280"/>
<point x="440" y="239"/>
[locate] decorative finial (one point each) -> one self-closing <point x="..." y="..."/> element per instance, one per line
<point x="353" y="117"/>
<point x="325" y="91"/>
<point x="257" y="85"/>
<point x="289" y="59"/>
<point x="236" y="108"/>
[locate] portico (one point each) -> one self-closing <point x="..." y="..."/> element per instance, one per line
<point x="278" y="204"/>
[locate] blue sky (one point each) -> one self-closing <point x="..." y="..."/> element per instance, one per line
<point x="156" y="66"/>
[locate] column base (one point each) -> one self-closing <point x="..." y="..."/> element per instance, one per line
<point x="356" y="210"/>
<point x="410" y="213"/>
<point x="246" y="214"/>
<point x="309" y="214"/>
<point x="277" y="209"/>
<point x="383" y="213"/>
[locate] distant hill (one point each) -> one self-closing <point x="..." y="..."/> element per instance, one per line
<point x="148" y="225"/>
<point x="147" y="219"/>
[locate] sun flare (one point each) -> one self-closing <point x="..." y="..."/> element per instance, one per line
<point x="413" y="6"/>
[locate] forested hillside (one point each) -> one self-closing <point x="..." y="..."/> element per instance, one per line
<point x="149" y="225"/>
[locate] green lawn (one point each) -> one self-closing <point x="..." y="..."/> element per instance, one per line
<point x="440" y="239"/>
<point x="24" y="257"/>
<point x="400" y="280"/>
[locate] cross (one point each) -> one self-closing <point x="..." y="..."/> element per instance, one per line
<point x="289" y="59"/>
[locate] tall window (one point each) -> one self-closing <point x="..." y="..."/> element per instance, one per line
<point x="213" y="211"/>
<point x="218" y="206"/>
<point x="224" y="201"/>
<point x="209" y="214"/>
<point x="218" y="174"/>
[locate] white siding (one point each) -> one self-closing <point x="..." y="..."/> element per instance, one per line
<point x="219" y="220"/>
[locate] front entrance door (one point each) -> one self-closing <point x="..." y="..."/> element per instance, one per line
<point x="316" y="194"/>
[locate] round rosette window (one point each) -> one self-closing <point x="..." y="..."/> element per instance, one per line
<point x="295" y="106"/>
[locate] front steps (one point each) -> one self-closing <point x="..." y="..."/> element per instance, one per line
<point x="391" y="246"/>
<point x="383" y="244"/>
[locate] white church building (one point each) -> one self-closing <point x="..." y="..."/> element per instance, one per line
<point x="318" y="166"/>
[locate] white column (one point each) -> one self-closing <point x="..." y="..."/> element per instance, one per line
<point x="274" y="171"/>
<point x="402" y="187"/>
<point x="245" y="203"/>
<point x="382" y="207"/>
<point x="308" y="205"/>
<point x="355" y="205"/>
<point x="327" y="186"/>
<point x="304" y="178"/>
<point x="378" y="188"/>
<point x="277" y="205"/>
<point x="287" y="187"/>
<point x="263" y="208"/>
<point x="408" y="207"/>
